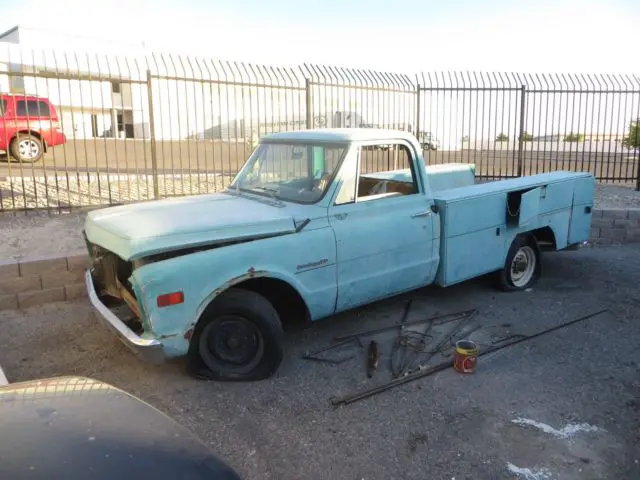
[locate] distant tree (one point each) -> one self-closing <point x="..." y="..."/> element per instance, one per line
<point x="632" y="140"/>
<point x="526" y="137"/>
<point x="502" y="138"/>
<point x="465" y="138"/>
<point x="573" y="137"/>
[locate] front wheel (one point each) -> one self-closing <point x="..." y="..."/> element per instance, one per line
<point x="239" y="337"/>
<point x="522" y="267"/>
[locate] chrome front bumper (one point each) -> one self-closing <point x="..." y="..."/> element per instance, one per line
<point x="150" y="351"/>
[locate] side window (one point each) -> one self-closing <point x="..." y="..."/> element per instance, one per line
<point x="32" y="108"/>
<point x="43" y="110"/>
<point x="386" y="171"/>
<point x="3" y="106"/>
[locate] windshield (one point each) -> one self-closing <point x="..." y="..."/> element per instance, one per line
<point x="296" y="172"/>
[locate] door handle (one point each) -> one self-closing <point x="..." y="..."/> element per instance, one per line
<point x="426" y="213"/>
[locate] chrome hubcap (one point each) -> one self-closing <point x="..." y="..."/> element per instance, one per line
<point x="523" y="266"/>
<point x="28" y="149"/>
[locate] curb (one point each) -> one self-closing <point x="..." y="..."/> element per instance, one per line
<point x="35" y="281"/>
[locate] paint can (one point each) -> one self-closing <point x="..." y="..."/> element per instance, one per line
<point x="466" y="356"/>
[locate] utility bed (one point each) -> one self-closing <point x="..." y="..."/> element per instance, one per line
<point x="477" y="220"/>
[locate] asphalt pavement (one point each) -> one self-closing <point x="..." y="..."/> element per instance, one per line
<point x="565" y="405"/>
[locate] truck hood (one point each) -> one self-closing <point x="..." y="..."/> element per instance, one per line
<point x="138" y="230"/>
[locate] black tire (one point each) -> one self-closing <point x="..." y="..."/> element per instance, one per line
<point x="238" y="338"/>
<point x="526" y="249"/>
<point x="23" y="138"/>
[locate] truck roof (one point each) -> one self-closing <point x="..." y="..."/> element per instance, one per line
<point x="341" y="135"/>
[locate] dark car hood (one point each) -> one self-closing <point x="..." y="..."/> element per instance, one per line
<point x="74" y="427"/>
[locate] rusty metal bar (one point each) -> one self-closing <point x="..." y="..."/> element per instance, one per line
<point x="152" y="134"/>
<point x="63" y="76"/>
<point x="308" y="103"/>
<point x="523" y="100"/>
<point x="226" y="82"/>
<point x="362" y="87"/>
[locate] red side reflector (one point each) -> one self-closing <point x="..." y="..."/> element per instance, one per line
<point x="169" y="299"/>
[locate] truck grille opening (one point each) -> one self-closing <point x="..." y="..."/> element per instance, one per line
<point x="110" y="276"/>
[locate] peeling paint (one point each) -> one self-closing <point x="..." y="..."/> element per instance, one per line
<point x="251" y="273"/>
<point x="188" y="334"/>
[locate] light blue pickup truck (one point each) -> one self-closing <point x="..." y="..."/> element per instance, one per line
<point x="316" y="222"/>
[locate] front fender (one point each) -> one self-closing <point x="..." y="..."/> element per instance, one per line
<point x="204" y="275"/>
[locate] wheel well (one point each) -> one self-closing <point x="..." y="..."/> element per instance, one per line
<point x="545" y="237"/>
<point x="289" y="304"/>
<point x="30" y="132"/>
<point x="33" y="133"/>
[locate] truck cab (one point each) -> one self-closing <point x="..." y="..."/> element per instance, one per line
<point x="316" y="222"/>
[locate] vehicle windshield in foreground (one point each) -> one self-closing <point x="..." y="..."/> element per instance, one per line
<point x="296" y="172"/>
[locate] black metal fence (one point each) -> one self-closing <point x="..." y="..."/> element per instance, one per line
<point x="164" y="125"/>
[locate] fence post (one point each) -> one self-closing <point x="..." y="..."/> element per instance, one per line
<point x="418" y="112"/>
<point x="152" y="133"/>
<point x="523" y="93"/>
<point x="637" y="155"/>
<point x="308" y="99"/>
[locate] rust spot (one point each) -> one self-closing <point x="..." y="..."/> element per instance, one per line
<point x="188" y="334"/>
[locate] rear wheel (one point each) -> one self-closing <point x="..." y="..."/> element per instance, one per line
<point x="522" y="267"/>
<point x="239" y="337"/>
<point x="26" y="148"/>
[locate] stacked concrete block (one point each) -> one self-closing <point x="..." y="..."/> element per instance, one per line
<point x="615" y="226"/>
<point x="35" y="281"/>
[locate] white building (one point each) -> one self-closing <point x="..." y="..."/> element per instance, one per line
<point x="100" y="89"/>
<point x="93" y="97"/>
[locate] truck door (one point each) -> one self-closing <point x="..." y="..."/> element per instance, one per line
<point x="384" y="226"/>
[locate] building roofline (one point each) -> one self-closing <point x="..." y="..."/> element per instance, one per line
<point x="344" y="134"/>
<point x="8" y="32"/>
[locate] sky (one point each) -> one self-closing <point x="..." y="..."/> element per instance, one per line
<point x="402" y="35"/>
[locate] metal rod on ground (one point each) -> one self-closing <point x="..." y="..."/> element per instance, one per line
<point x="328" y="360"/>
<point x="453" y="316"/>
<point x="311" y="355"/>
<point x="445" y="339"/>
<point x="445" y="365"/>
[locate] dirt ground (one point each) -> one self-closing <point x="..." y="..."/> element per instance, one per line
<point x="562" y="406"/>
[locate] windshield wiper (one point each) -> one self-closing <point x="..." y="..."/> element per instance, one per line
<point x="272" y="191"/>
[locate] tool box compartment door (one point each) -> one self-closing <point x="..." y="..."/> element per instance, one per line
<point x="524" y="206"/>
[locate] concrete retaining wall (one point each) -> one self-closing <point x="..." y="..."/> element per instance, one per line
<point x="37" y="281"/>
<point x="614" y="226"/>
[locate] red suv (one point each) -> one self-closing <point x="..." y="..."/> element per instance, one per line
<point x="28" y="126"/>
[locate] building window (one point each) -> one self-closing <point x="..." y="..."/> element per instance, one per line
<point x="115" y="87"/>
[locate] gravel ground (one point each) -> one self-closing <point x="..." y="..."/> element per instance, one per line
<point x="93" y="190"/>
<point x="617" y="196"/>
<point x="42" y="233"/>
<point x="562" y="406"/>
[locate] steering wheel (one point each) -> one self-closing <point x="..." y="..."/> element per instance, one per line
<point x="323" y="182"/>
